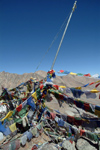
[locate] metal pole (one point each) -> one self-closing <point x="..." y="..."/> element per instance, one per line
<point x="64" y="34"/>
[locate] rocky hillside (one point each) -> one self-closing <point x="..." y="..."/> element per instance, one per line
<point x="11" y="80"/>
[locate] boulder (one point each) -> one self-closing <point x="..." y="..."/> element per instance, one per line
<point x="68" y="146"/>
<point x="83" y="144"/>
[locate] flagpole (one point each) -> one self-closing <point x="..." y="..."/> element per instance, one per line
<point x="74" y="6"/>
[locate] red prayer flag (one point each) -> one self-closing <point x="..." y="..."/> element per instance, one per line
<point x="87" y="75"/>
<point x="91" y="83"/>
<point x="61" y="71"/>
<point x="97" y="85"/>
<point x="19" y="108"/>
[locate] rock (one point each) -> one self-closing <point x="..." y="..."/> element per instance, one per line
<point x="49" y="147"/>
<point x="1" y="136"/>
<point x="68" y="146"/>
<point x="99" y="145"/>
<point x="68" y="112"/>
<point x="84" y="145"/>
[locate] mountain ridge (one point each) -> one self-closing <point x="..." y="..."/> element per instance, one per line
<point x="11" y="80"/>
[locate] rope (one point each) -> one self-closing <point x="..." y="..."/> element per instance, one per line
<point x="61" y="28"/>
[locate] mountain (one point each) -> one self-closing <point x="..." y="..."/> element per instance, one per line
<point x="11" y="80"/>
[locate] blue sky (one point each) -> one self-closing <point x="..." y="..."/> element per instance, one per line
<point x="27" y="28"/>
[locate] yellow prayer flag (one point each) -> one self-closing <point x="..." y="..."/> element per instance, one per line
<point x="79" y="88"/>
<point x="13" y="127"/>
<point x="43" y="105"/>
<point x="34" y="95"/>
<point x="62" y="86"/>
<point x="73" y="73"/>
<point x="94" y="91"/>
<point x="97" y="112"/>
<point x="97" y="81"/>
<point x="8" y="115"/>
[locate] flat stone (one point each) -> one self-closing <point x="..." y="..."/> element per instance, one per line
<point x="49" y="147"/>
<point x="84" y="145"/>
<point x="67" y="145"/>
